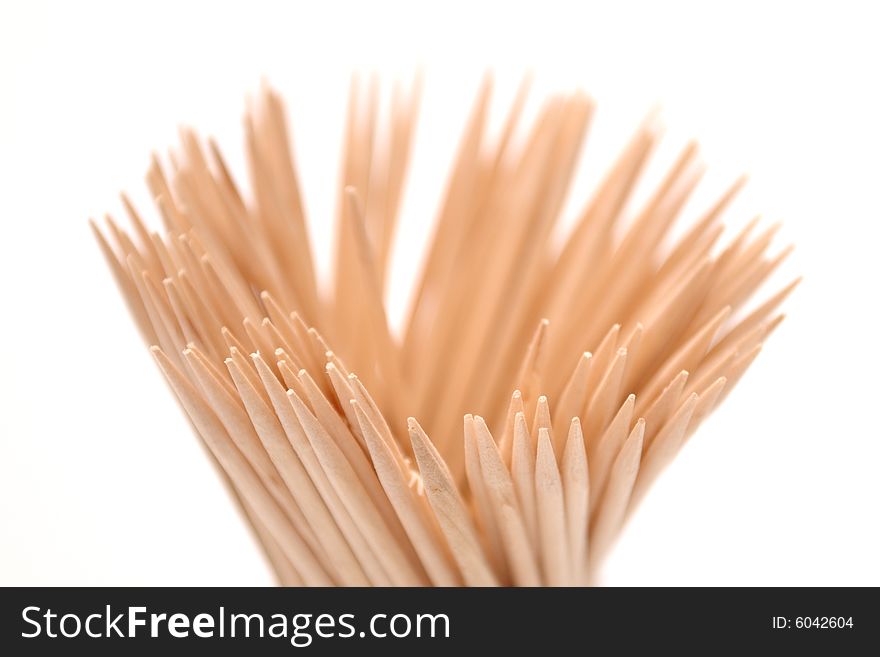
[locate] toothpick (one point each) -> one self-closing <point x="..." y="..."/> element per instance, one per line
<point x="451" y="514"/>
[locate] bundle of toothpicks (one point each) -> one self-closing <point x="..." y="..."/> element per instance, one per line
<point x="533" y="393"/>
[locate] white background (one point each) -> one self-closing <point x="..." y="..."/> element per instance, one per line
<point x="100" y="480"/>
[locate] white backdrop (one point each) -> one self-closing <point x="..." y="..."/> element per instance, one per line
<point x="100" y="481"/>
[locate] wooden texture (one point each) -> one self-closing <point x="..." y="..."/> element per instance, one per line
<point x="552" y="382"/>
